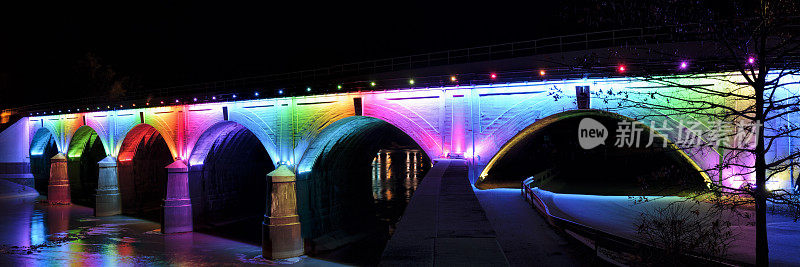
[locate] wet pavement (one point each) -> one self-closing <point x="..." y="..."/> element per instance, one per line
<point x="33" y="233"/>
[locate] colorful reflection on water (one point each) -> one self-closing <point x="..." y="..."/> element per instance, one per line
<point x="395" y="176"/>
<point x="33" y="233"/>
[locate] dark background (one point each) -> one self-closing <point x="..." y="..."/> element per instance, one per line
<point x="152" y="44"/>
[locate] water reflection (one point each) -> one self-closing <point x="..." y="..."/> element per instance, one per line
<point x="36" y="234"/>
<point x="396" y="173"/>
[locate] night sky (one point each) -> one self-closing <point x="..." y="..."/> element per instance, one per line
<point x="166" y="43"/>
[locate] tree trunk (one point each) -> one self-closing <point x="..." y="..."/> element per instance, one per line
<point x="762" y="247"/>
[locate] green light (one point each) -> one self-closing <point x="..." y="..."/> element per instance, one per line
<point x="411" y="82"/>
<point x="339" y="86"/>
<point x="372" y="84"/>
<point x="308" y="89"/>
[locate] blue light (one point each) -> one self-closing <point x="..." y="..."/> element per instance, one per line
<point x="280" y="92"/>
<point x="194" y="99"/>
<point x="234" y="95"/>
<point x="256" y="93"/>
<point x="308" y="89"/>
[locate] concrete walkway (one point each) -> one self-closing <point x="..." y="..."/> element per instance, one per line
<point x="444" y="224"/>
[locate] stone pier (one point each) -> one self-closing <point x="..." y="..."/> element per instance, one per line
<point x="281" y="227"/>
<point x="177" y="205"/>
<point x="108" y="200"/>
<point x="58" y="186"/>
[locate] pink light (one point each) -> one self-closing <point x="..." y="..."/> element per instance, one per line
<point x="684" y="65"/>
<point x="493" y="76"/>
<point x="162" y="102"/>
<point x="751" y="60"/>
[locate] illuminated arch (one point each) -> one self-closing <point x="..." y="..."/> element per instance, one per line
<point x="83" y="135"/>
<point x="331" y="135"/>
<point x="327" y="196"/>
<point x="207" y="140"/>
<point x="428" y="142"/>
<point x="547" y="121"/>
<point x="142" y="132"/>
<point x="40" y="140"/>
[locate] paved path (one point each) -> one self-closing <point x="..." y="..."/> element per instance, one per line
<point x="444" y="224"/>
<point x="526" y="238"/>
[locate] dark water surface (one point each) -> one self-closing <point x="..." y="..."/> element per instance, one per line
<point x="35" y="233"/>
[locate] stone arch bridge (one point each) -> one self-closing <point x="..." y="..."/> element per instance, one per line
<point x="473" y="122"/>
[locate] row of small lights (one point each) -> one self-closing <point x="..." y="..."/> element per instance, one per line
<point x="621" y="68"/>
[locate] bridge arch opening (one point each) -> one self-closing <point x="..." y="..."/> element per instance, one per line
<point x="549" y="150"/>
<point x="228" y="183"/>
<point x="43" y="147"/>
<point x="358" y="174"/>
<point x="85" y="150"/>
<point x="142" y="177"/>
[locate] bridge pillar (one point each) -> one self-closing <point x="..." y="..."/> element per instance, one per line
<point x="280" y="235"/>
<point x="177" y="205"/>
<point x="108" y="200"/>
<point x="58" y="186"/>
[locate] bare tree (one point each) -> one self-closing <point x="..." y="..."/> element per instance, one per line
<point x="748" y="83"/>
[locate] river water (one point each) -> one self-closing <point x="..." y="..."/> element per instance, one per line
<point x="34" y="233"/>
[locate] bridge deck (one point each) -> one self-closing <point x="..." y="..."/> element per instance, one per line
<point x="444" y="224"/>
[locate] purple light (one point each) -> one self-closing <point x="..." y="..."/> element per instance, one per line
<point x="194" y="99"/>
<point x="234" y="96"/>
<point x="213" y="98"/>
<point x="176" y="101"/>
<point x="751" y="60"/>
<point x="684" y="65"/>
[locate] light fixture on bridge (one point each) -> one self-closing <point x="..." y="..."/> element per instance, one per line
<point x="120" y="105"/>
<point x="280" y="92"/>
<point x="134" y="104"/>
<point x="621" y="68"/>
<point x="411" y="82"/>
<point x="234" y="95"/>
<point x="308" y="89"/>
<point x="339" y="87"/>
<point x="256" y="94"/>
<point x="69" y="110"/>
<point x="684" y="65"/>
<point x="213" y="98"/>
<point x="542" y="72"/>
<point x="195" y="99"/>
<point x="372" y="84"/>
<point x="108" y="106"/>
<point x="176" y="101"/>
<point x="147" y="104"/>
<point x="493" y="75"/>
<point x="453" y="78"/>
<point x="751" y="60"/>
<point x="162" y="102"/>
